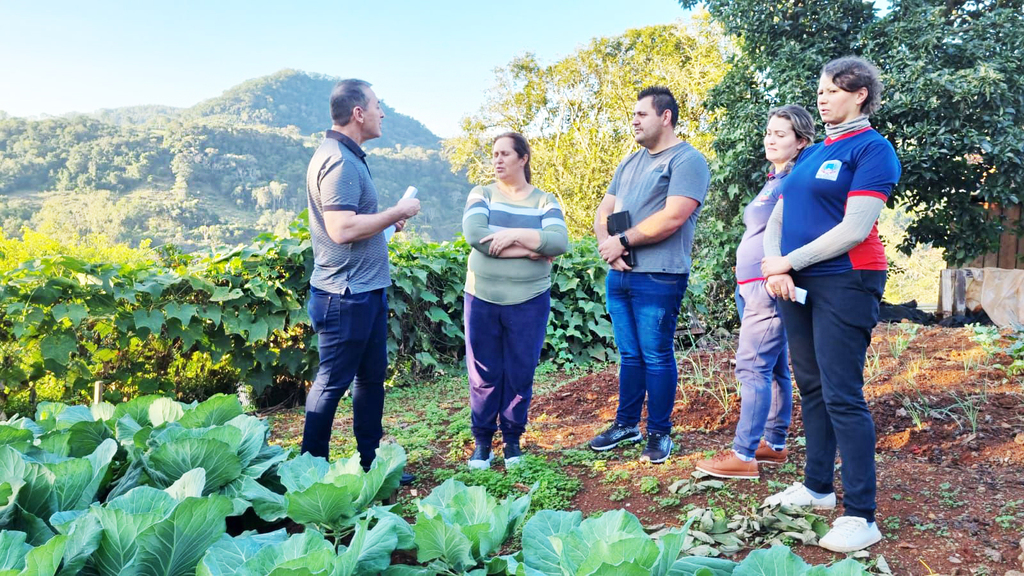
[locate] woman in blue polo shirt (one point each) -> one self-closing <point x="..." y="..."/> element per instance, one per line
<point x="823" y="238"/>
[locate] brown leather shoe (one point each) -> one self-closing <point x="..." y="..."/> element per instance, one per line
<point x="765" y="454"/>
<point x="726" y="464"/>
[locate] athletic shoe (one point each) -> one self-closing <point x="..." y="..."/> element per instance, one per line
<point x="849" y="534"/>
<point x="614" y="436"/>
<point x="406" y="479"/>
<point x="726" y="464"/>
<point x="797" y="495"/>
<point x="765" y="454"/>
<point x="481" y="458"/>
<point x="513" y="454"/>
<point x="659" y="446"/>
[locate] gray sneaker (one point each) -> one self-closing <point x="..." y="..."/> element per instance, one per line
<point x="659" y="446"/>
<point x="614" y="436"/>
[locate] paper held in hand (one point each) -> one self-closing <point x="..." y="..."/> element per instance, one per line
<point x="410" y="192"/>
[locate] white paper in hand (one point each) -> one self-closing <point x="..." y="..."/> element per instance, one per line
<point x="801" y="295"/>
<point x="410" y="192"/>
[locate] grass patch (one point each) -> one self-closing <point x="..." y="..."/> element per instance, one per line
<point x="555" y="489"/>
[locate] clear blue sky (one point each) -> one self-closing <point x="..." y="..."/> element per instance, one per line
<point x="431" y="60"/>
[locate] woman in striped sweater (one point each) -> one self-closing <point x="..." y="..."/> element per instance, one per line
<point x="515" y="231"/>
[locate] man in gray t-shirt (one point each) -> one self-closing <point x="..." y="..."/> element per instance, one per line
<point x="347" y="303"/>
<point x="661" y="189"/>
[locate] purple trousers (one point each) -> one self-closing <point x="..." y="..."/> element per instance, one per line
<point x="503" y="345"/>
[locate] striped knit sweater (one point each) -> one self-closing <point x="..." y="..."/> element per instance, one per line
<point x="509" y="281"/>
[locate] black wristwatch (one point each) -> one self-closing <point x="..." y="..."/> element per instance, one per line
<point x="623" y="240"/>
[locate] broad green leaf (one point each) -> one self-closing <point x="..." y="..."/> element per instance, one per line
<point x="268" y="505"/>
<point x="190" y="485"/>
<point x="44" y="560"/>
<point x="436" y="540"/>
<point x="226" y="556"/>
<point x="83" y="539"/>
<point x="86" y="437"/>
<point x="148" y="321"/>
<point x="627" y="554"/>
<point x="539" y="552"/>
<point x="254" y="436"/>
<point x="174" y="546"/>
<point x="13" y="550"/>
<point x="217" y="410"/>
<point x="225" y="294"/>
<point x="164" y="410"/>
<point x="371" y="548"/>
<point x="59" y="347"/>
<point x="9" y="490"/>
<point x="183" y="312"/>
<point x="137" y="408"/>
<point x="269" y="456"/>
<point x="74" y="312"/>
<point x="170" y="461"/>
<point x="302" y="472"/>
<point x="307" y="550"/>
<point x="325" y="504"/>
<point x="848" y="567"/>
<point x="17" y="438"/>
<point x="776" y="561"/>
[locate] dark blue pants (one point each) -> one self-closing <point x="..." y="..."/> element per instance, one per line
<point x="644" y="308"/>
<point x="503" y="345"/>
<point x="353" y="342"/>
<point x="762" y="367"/>
<point x="828" y="340"/>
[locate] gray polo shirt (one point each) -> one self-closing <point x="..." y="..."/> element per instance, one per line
<point x="641" y="184"/>
<point x="338" y="179"/>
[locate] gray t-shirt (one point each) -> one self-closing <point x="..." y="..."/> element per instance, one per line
<point x="641" y="184"/>
<point x="338" y="180"/>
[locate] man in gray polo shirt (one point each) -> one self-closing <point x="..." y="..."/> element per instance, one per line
<point x="662" y="188"/>
<point x="348" y="305"/>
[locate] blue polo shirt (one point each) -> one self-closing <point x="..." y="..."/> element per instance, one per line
<point x="861" y="163"/>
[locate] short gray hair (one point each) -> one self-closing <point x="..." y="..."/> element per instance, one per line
<point x="853" y="73"/>
<point x="345" y="96"/>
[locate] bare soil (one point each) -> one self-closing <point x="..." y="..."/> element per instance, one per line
<point x="950" y="492"/>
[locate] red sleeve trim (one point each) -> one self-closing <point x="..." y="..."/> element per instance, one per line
<point x="881" y="196"/>
<point x="741" y="282"/>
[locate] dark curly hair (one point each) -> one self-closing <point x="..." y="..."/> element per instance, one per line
<point x="852" y="73"/>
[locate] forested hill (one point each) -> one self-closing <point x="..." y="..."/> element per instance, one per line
<point x="219" y="172"/>
<point x="291" y="98"/>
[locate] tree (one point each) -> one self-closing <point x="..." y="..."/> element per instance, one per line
<point x="576" y="111"/>
<point x="952" y="107"/>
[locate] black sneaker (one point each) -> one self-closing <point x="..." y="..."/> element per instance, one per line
<point x="513" y="454"/>
<point x="481" y="458"/>
<point x="614" y="436"/>
<point x="659" y="446"/>
<point x="406" y="479"/>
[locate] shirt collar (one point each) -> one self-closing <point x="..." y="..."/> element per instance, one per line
<point x="348" y="142"/>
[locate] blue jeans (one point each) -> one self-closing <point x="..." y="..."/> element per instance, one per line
<point x="644" y="308"/>
<point x="353" y="343"/>
<point x="762" y="367"/>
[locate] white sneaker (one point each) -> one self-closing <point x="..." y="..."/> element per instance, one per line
<point x="797" y="495"/>
<point x="849" y="534"/>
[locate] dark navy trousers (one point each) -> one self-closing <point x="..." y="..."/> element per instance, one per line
<point x="353" y="342"/>
<point x="503" y="345"/>
<point x="828" y="341"/>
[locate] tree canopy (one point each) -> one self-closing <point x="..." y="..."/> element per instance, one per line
<point x="576" y="111"/>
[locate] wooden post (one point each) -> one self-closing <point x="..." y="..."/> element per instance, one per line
<point x="97" y="392"/>
<point x="946" y="293"/>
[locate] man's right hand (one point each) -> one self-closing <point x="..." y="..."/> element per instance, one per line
<point x="408" y="207"/>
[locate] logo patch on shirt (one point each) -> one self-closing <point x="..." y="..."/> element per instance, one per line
<point x="829" y="170"/>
